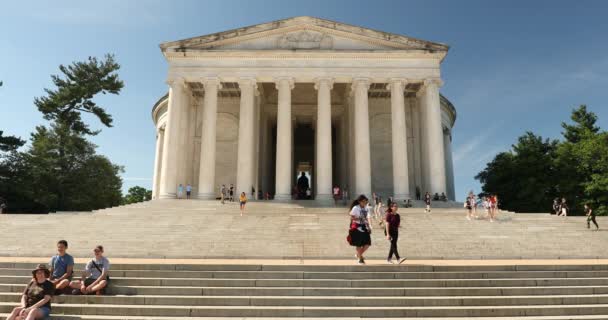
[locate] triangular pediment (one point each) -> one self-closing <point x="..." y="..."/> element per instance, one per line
<point x="302" y="33"/>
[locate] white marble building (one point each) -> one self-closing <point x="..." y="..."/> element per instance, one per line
<point x="353" y="107"/>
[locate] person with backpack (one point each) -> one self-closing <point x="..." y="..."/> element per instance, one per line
<point x="360" y="227"/>
<point x="95" y="277"/>
<point x="590" y="217"/>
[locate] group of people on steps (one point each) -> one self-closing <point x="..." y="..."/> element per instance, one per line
<point x="47" y="282"/>
<point x="360" y="228"/>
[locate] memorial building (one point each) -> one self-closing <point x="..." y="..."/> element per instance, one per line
<point x="348" y="106"/>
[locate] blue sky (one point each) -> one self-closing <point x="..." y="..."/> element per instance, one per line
<point x="512" y="66"/>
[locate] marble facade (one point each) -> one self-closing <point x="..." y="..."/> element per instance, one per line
<point x="360" y="108"/>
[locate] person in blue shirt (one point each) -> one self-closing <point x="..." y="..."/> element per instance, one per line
<point x="62" y="267"/>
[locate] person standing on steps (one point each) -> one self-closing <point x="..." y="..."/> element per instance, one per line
<point x="223" y="193"/>
<point x="427" y="202"/>
<point x="590" y="217"/>
<point x="360" y="228"/>
<point x="417" y="193"/>
<point x="231" y="193"/>
<point x="180" y="191"/>
<point x="188" y="191"/>
<point x="336" y="194"/>
<point x="392" y="221"/>
<point x="243" y="202"/>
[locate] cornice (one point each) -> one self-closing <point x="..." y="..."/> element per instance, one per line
<point x="302" y="55"/>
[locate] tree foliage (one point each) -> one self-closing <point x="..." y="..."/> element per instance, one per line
<point x="81" y="81"/>
<point x="535" y="171"/>
<point x="60" y="170"/>
<point x="137" y="194"/>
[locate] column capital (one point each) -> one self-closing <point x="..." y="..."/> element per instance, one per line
<point x="433" y="81"/>
<point x="249" y="81"/>
<point x="361" y="83"/>
<point x="289" y="80"/>
<point x="176" y="82"/>
<point x="397" y="81"/>
<point x="328" y="80"/>
<point x="211" y="81"/>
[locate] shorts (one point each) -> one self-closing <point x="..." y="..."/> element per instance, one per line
<point x="46" y="312"/>
<point x="243" y="203"/>
<point x="89" y="281"/>
<point x="187" y="193"/>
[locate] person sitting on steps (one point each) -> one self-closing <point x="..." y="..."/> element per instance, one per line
<point x="96" y="277"/>
<point x="36" y="298"/>
<point x="62" y="267"/>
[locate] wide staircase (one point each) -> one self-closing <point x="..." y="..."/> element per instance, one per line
<point x="410" y="291"/>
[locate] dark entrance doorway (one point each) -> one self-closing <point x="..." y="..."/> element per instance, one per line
<point x="304" y="159"/>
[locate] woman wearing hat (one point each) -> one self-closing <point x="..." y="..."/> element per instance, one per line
<point x="36" y="298"/>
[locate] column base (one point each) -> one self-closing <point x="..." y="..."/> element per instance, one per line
<point x="282" y="197"/>
<point x="206" y="196"/>
<point x="399" y="198"/>
<point x="167" y="196"/>
<point x="324" y="197"/>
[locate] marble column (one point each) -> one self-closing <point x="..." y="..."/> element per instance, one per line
<point x="434" y="137"/>
<point x="416" y="121"/>
<point x="160" y="137"/>
<point x="449" y="166"/>
<point x="284" y="157"/>
<point x="401" y="185"/>
<point x="246" y="145"/>
<point x="323" y="144"/>
<point x="206" y="182"/>
<point x="168" y="175"/>
<point x="362" y="156"/>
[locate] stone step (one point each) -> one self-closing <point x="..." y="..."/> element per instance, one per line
<point x="328" y="291"/>
<point x="285" y="311"/>
<point x="328" y="267"/>
<point x="320" y="301"/>
<point x="94" y="317"/>
<point x="334" y="275"/>
<point x="363" y="283"/>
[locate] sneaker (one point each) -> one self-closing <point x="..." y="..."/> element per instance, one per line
<point x="389" y="261"/>
<point x="468" y="218"/>
<point x="402" y="260"/>
<point x="361" y="261"/>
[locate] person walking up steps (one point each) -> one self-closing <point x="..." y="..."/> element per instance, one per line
<point x="243" y="202"/>
<point x="393" y="223"/>
<point x="427" y="202"/>
<point x="590" y="217"/>
<point x="360" y="228"/>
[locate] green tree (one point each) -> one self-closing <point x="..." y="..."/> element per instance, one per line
<point x="536" y="170"/>
<point x="523" y="176"/>
<point x="137" y="194"/>
<point x="64" y="106"/>
<point x="584" y="125"/>
<point x="10" y="143"/>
